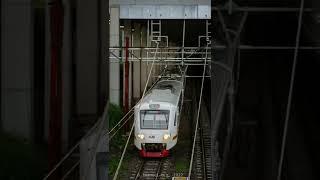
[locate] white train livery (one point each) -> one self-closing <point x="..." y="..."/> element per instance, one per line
<point x="157" y="118"/>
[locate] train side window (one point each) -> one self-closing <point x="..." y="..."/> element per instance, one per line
<point x="176" y="118"/>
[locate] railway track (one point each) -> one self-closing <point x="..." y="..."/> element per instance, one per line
<point x="202" y="168"/>
<point x="152" y="169"/>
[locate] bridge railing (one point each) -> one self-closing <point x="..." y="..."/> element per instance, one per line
<point x="87" y="159"/>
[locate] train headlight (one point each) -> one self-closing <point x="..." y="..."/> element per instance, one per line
<point x="166" y="136"/>
<point x="141" y="136"/>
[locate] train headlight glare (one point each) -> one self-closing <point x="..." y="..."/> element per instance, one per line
<point x="166" y="136"/>
<point x="141" y="136"/>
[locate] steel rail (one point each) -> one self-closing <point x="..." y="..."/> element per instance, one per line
<point x="197" y="120"/>
<point x="139" y="170"/>
<point x="158" y="170"/>
<point x="144" y="91"/>
<point x="203" y="152"/>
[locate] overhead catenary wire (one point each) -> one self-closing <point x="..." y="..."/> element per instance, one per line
<point x="122" y="119"/>
<point x="149" y="75"/>
<point x="144" y="91"/>
<point x="70" y="170"/>
<point x="114" y="129"/>
<point x="120" y="127"/>
<point x="198" y="114"/>
<point x="97" y="140"/>
<point x="288" y="110"/>
<point x="76" y="145"/>
<point x="100" y="125"/>
<point x="184" y="82"/>
<point x="183" y="39"/>
<point x="90" y="132"/>
<point x="123" y="153"/>
<point x="138" y="101"/>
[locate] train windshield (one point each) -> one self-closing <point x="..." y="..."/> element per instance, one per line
<point x="154" y="119"/>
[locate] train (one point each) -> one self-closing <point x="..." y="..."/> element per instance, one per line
<point x="157" y="118"/>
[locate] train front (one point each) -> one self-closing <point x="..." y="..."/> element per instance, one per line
<point x="155" y="133"/>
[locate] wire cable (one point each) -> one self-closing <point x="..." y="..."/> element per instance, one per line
<point x="293" y="72"/>
<point x="198" y="114"/>
<point x="70" y="170"/>
<point x="120" y="127"/>
<point x="74" y="147"/>
<point x="144" y="91"/>
<point x="136" y="104"/>
<point x="96" y="143"/>
<point x="123" y="153"/>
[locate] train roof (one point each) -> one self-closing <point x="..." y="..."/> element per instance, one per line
<point x="165" y="91"/>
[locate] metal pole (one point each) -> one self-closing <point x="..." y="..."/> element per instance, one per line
<point x="293" y="72"/>
<point x="126" y="84"/>
<point x="198" y="115"/>
<point x="242" y="47"/>
<point x="55" y="124"/>
<point x="148" y="26"/>
<point x="183" y="37"/>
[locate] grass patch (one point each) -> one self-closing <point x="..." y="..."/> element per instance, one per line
<point x="118" y="141"/>
<point x="117" y="145"/>
<point x="21" y="159"/>
<point x="113" y="164"/>
<point x="182" y="165"/>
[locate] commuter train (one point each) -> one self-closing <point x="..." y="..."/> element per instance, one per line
<point x="157" y="118"/>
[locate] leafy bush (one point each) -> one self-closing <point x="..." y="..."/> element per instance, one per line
<point x="115" y="114"/>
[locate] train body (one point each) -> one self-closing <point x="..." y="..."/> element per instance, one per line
<point x="157" y="118"/>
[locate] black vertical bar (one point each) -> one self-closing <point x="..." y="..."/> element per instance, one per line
<point x="102" y="84"/>
<point x="73" y="104"/>
<point x="1" y="65"/>
<point x="55" y="123"/>
<point x="99" y="59"/>
<point x="38" y="73"/>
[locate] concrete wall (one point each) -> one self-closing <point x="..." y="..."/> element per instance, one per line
<point x="139" y="70"/>
<point x="66" y="74"/>
<point x="17" y="67"/>
<point x="87" y="55"/>
<point x="114" y="77"/>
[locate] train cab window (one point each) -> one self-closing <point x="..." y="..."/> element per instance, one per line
<point x="154" y="119"/>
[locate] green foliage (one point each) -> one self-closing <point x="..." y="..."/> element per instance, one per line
<point x="39" y="3"/>
<point x="115" y="114"/>
<point x="112" y="165"/>
<point x="118" y="141"/>
<point x="182" y="165"/>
